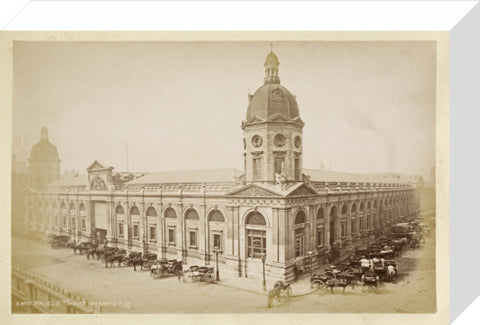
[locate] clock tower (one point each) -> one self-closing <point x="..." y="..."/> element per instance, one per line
<point x="272" y="132"/>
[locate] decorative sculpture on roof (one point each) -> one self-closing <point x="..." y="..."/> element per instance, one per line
<point x="98" y="184"/>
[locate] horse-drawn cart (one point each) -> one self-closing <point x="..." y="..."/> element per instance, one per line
<point x="148" y="261"/>
<point x="281" y="290"/>
<point x="166" y="267"/>
<point x="370" y="280"/>
<point x="59" y="241"/>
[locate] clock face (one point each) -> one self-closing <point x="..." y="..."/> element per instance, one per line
<point x="298" y="141"/>
<point x="279" y="140"/>
<point x="257" y="141"/>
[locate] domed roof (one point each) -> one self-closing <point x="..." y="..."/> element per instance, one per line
<point x="270" y="100"/>
<point x="44" y="150"/>
<point x="271" y="59"/>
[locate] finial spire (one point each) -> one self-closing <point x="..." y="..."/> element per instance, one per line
<point x="44" y="134"/>
<point x="271" y="67"/>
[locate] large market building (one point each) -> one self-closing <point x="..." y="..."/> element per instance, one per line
<point x="273" y="208"/>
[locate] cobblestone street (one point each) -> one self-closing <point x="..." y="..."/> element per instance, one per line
<point x="138" y="292"/>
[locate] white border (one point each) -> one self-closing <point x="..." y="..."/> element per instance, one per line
<point x="238" y="15"/>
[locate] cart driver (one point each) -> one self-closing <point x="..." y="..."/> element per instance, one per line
<point x="365" y="264"/>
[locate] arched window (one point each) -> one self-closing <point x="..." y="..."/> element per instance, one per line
<point x="72" y="215"/>
<point x="361" y="206"/>
<point x="151" y="212"/>
<point x="256" y="235"/>
<point x="333" y="212"/>
<point x="320" y="227"/>
<point x="119" y="210"/>
<point x="369" y="205"/>
<point x="300" y="234"/>
<point x="134" y="211"/>
<point x="343" y="222"/>
<point x="191" y="214"/>
<point x="300" y="218"/>
<point x="83" y="217"/>
<point x="354" y="208"/>
<point x="119" y="214"/>
<point x="170" y="213"/>
<point x="216" y="215"/>
<point x="320" y="213"/>
<point x="255" y="218"/>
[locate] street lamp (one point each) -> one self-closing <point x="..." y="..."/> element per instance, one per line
<point x="74" y="236"/>
<point x="310" y="253"/>
<point x="264" y="257"/>
<point x="144" y="244"/>
<point x="216" y="250"/>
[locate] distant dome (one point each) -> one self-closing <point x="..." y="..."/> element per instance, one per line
<point x="44" y="150"/>
<point x="270" y="100"/>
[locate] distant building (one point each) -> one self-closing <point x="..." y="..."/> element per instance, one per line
<point x="44" y="162"/>
<point x="273" y="208"/>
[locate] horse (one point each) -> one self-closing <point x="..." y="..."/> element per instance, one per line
<point x="115" y="256"/>
<point x="391" y="272"/>
<point x="90" y="252"/>
<point x="136" y="260"/>
<point x="272" y="294"/>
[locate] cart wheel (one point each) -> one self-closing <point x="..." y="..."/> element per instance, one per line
<point x="322" y="287"/>
<point x="209" y="277"/>
<point x="330" y="275"/>
<point x="315" y="284"/>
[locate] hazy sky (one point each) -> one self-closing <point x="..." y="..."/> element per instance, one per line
<point x="367" y="106"/>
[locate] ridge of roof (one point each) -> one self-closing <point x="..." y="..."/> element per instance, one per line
<point x="189" y="176"/>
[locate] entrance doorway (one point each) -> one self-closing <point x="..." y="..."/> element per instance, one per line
<point x="332" y="232"/>
<point x="101" y="235"/>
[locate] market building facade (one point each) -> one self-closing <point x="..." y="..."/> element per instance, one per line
<point x="273" y="212"/>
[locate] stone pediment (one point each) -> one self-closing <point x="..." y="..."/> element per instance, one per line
<point x="96" y="165"/>
<point x="302" y="190"/>
<point x="254" y="191"/>
<point x="252" y="120"/>
<point x="279" y="118"/>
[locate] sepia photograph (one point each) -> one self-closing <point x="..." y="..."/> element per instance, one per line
<point x="224" y="177"/>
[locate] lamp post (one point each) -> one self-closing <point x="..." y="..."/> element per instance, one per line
<point x="74" y="235"/>
<point x="310" y="253"/>
<point x="264" y="257"/>
<point x="217" y="250"/>
<point x="144" y="244"/>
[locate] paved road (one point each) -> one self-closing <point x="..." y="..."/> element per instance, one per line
<point x="137" y="292"/>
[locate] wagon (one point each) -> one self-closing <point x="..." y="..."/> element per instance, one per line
<point x="148" y="260"/>
<point x="370" y="280"/>
<point x="204" y="274"/>
<point x="82" y="247"/>
<point x="59" y="241"/>
<point x="319" y="281"/>
<point x="166" y="267"/>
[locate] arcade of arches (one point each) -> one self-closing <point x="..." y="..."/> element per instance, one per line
<point x="191" y="231"/>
